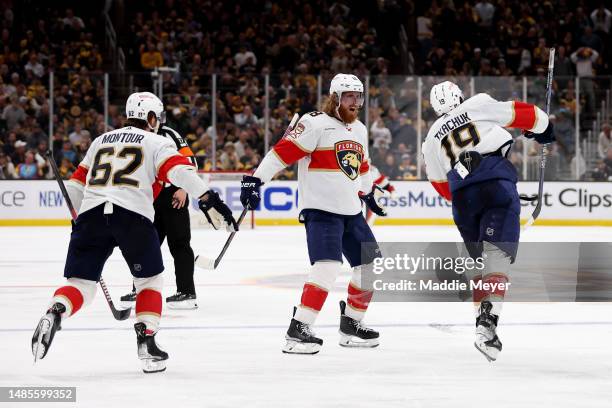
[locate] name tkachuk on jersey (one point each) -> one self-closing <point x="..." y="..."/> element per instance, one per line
<point x="333" y="163"/>
<point x="477" y="124"/>
<point x="125" y="167"/>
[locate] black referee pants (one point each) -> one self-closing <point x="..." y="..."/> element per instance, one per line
<point x="174" y="224"/>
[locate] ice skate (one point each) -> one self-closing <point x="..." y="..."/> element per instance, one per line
<point x="301" y="339"/>
<point x="45" y="331"/>
<point x="152" y="357"/>
<point x="487" y="341"/>
<point x="182" y="301"/>
<point x="128" y="299"/>
<point x="353" y="333"/>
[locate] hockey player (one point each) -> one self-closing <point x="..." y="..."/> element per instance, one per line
<point x="331" y="148"/>
<point x="465" y="154"/>
<point x="172" y="221"/>
<point x="113" y="188"/>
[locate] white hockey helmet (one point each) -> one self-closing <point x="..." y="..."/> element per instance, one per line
<point x="139" y="104"/>
<point x="346" y="83"/>
<point x="445" y="97"/>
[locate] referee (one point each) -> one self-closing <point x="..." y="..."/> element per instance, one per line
<point x="172" y="222"/>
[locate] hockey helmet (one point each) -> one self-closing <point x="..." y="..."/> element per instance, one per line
<point x="139" y="105"/>
<point x="346" y="83"/>
<point x="445" y="97"/>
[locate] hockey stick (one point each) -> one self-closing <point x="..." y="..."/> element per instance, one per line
<point x="121" y="314"/>
<point x="209" y="263"/>
<point x="544" y="152"/>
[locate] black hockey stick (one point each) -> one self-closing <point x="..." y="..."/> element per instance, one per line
<point x="209" y="263"/>
<point x="119" y="314"/>
<point x="544" y="152"/>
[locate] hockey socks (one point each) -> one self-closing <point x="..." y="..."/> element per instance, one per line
<point x="149" y="301"/>
<point x="320" y="281"/>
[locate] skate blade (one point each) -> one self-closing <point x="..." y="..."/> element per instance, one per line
<point x="297" y="347"/>
<point x="490" y="353"/>
<point x="150" y="366"/>
<point x="356" y="342"/>
<point x="38" y="349"/>
<point x="184" y="305"/>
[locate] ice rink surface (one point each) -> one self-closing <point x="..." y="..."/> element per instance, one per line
<point x="227" y="353"/>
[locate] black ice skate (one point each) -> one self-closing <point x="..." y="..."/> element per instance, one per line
<point x="128" y="300"/>
<point x="152" y="357"/>
<point x="301" y="339"/>
<point x="487" y="341"/>
<point x="183" y="301"/>
<point x="45" y="331"/>
<point x="353" y="334"/>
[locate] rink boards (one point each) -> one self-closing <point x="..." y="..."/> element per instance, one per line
<point x="39" y="202"/>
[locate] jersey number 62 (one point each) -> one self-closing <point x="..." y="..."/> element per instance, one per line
<point x="120" y="175"/>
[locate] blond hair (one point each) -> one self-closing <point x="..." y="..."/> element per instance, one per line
<point x="330" y="104"/>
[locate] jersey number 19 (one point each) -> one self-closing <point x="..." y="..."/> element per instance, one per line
<point x="460" y="137"/>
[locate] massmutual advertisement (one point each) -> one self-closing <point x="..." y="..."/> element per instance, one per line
<point x="413" y="203"/>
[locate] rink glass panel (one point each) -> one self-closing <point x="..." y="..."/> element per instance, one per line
<point x="581" y="107"/>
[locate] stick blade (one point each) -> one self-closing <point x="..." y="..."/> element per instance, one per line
<point x="205" y="263"/>
<point x="122" y="314"/>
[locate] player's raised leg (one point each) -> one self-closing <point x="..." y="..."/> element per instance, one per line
<point x="90" y="245"/>
<point x="66" y="301"/>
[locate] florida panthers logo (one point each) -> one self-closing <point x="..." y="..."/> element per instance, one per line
<point x="349" y="155"/>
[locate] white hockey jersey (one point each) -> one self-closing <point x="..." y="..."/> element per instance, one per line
<point x="333" y="163"/>
<point x="477" y="124"/>
<point x="125" y="167"/>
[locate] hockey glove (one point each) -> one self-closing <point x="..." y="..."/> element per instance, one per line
<point x="547" y="136"/>
<point x="370" y="201"/>
<point x="217" y="212"/>
<point x="249" y="192"/>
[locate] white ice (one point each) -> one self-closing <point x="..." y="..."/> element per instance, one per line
<point x="227" y="353"/>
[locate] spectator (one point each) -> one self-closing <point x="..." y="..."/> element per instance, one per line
<point x="72" y="21"/>
<point x="565" y="134"/>
<point x="584" y="58"/>
<point x="13" y="114"/>
<point x="78" y="133"/>
<point x="68" y="153"/>
<point x="151" y="58"/>
<point x="245" y="118"/>
<point x="229" y="160"/>
<point x="19" y="153"/>
<point x="242" y="143"/>
<point x="34" y="66"/>
<point x="407" y="169"/>
<point x="380" y="133"/>
<point x="603" y="171"/>
<point x="29" y="169"/>
<point x="486" y="12"/>
<point x="66" y="168"/>
<point x="604" y="142"/>
<point x="7" y="169"/>
<point x="243" y="55"/>
<point x="602" y="19"/>
<point x="389" y="167"/>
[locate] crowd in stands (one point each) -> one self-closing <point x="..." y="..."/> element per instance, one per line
<point x="37" y="39"/>
<point x="294" y="43"/>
